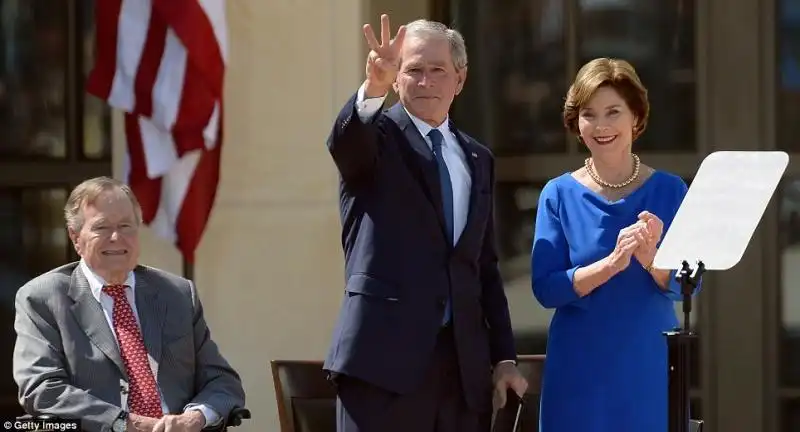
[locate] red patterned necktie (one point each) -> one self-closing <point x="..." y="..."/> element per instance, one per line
<point x="143" y="398"/>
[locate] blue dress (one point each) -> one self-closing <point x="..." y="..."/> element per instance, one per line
<point x="606" y="368"/>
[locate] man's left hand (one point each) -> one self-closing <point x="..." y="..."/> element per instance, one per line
<point x="506" y="376"/>
<point x="190" y="421"/>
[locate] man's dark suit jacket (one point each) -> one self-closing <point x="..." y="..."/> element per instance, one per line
<point x="400" y="266"/>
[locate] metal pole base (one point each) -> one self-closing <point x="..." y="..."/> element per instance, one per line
<point x="679" y="344"/>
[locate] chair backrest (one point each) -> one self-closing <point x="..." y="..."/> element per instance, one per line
<point x="532" y="368"/>
<point x="306" y="400"/>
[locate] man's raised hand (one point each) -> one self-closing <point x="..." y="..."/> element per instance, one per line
<point x="383" y="61"/>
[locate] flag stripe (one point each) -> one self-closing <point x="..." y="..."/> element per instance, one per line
<point x="204" y="70"/>
<point x="167" y="92"/>
<point x="190" y="20"/>
<point x="131" y="37"/>
<point x="152" y="52"/>
<point x="106" y="19"/>
<point x="147" y="190"/>
<point x="201" y="195"/>
<point x="195" y="112"/>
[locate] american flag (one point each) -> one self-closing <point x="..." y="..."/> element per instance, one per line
<point x="162" y="62"/>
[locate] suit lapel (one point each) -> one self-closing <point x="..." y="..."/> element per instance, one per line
<point x="152" y="314"/>
<point x="90" y="317"/>
<point x="470" y="154"/>
<point x="423" y="157"/>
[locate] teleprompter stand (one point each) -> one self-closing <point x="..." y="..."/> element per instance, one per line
<point x="712" y="228"/>
<point x="678" y="345"/>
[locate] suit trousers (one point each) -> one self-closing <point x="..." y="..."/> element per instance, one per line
<point x="437" y="406"/>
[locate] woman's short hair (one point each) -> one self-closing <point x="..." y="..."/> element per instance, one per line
<point x="607" y="72"/>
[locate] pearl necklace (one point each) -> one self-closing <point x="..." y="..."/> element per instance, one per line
<point x="590" y="169"/>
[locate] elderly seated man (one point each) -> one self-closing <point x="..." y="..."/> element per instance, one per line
<point x="118" y="345"/>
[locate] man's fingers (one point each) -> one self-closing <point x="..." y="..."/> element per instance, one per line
<point x="520" y="387"/>
<point x="160" y="425"/>
<point x="397" y="42"/>
<point x="369" y="35"/>
<point x="383" y="64"/>
<point x="385" y="35"/>
<point x="499" y="400"/>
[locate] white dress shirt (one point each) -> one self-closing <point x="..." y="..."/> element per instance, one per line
<point x="96" y="284"/>
<point x="452" y="153"/>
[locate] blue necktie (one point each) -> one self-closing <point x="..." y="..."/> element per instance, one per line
<point x="447" y="197"/>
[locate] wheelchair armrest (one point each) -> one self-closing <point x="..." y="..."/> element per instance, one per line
<point x="28" y="417"/>
<point x="236" y="416"/>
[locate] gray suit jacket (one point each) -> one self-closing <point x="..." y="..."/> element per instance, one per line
<point x="67" y="363"/>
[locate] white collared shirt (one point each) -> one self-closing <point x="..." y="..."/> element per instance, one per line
<point x="96" y="284"/>
<point x="452" y="153"/>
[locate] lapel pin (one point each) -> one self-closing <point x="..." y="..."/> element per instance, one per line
<point x="474" y="155"/>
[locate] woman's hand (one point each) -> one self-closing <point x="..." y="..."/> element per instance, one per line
<point x="648" y="235"/>
<point x="628" y="241"/>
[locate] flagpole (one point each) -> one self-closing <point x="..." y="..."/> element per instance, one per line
<point x="188" y="269"/>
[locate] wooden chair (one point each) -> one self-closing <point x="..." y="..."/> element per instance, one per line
<point x="306" y="400"/>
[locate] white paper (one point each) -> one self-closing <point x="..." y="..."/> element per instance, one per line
<point x="722" y="209"/>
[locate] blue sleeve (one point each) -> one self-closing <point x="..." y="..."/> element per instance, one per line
<point x="673" y="291"/>
<point x="551" y="271"/>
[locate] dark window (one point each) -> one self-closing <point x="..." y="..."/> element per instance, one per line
<point x="33" y="72"/>
<point x="788" y="57"/>
<point x="789" y="243"/>
<point x="54" y="137"/>
<point x="789" y="332"/>
<point x="788" y="130"/>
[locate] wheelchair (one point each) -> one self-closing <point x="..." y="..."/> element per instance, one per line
<point x="235" y="418"/>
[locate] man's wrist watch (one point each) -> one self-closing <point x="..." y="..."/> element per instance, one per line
<point x="120" y="423"/>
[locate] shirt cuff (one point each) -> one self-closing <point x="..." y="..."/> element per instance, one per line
<point x="366" y="108"/>
<point x="514" y="362"/>
<point x="211" y="416"/>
